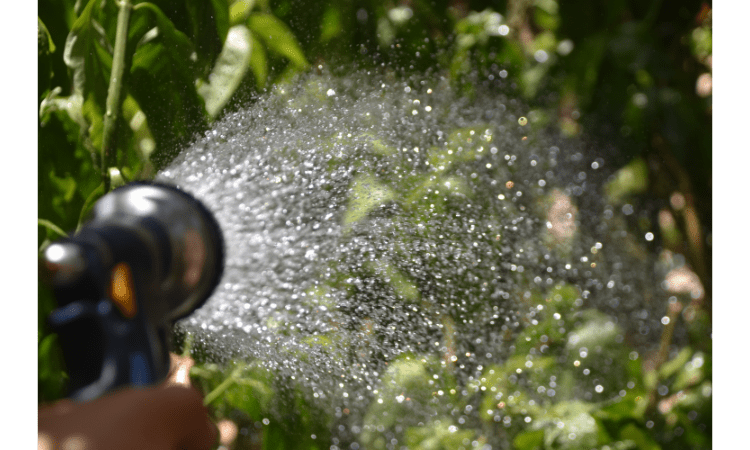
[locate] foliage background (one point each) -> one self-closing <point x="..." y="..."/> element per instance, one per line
<point x="634" y="75"/>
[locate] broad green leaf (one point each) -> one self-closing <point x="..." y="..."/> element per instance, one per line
<point x="45" y="37"/>
<point x="77" y="47"/>
<point x="386" y="32"/>
<point x="221" y="17"/>
<point x="462" y="145"/>
<point x="405" y="388"/>
<point x="694" y="371"/>
<point x="249" y="394"/>
<point x="400" y="283"/>
<point x="45" y="48"/>
<point x="175" y="41"/>
<point x="331" y="25"/>
<point x="258" y="62"/>
<point x="239" y="11"/>
<point x="630" y="180"/>
<point x="144" y="144"/>
<point x="625" y="409"/>
<point x="94" y="115"/>
<point x="578" y="422"/>
<point x="599" y="330"/>
<point x="642" y="440"/>
<point x="87" y="61"/>
<point x="66" y="186"/>
<point x="229" y="70"/>
<point x="529" y="440"/>
<point x="278" y="37"/>
<point x="671" y="367"/>
<point x="379" y="147"/>
<point x="366" y="194"/>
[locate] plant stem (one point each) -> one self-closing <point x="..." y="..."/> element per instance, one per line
<point x="187" y="346"/>
<point x="51" y="226"/>
<point x="95" y="194"/>
<point x="692" y="226"/>
<point x="231" y="379"/>
<point x="114" y="93"/>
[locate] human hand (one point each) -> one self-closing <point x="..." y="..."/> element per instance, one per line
<point x="170" y="416"/>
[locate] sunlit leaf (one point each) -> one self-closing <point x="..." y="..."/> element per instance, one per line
<point x="366" y="194"/>
<point x="239" y="11"/>
<point x="278" y="37"/>
<point x="229" y="70"/>
<point x="331" y="25"/>
<point x="630" y="180"/>
<point x="400" y="283"/>
<point x="258" y="62"/>
<point x="671" y="367"/>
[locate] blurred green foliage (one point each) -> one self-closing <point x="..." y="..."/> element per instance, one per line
<point x="630" y="75"/>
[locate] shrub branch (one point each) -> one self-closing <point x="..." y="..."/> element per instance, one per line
<point x="114" y="93"/>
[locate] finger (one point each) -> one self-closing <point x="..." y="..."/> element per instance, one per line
<point x="186" y="418"/>
<point x="179" y="373"/>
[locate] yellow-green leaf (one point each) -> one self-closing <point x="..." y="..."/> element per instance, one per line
<point x="278" y="37"/>
<point x="230" y="69"/>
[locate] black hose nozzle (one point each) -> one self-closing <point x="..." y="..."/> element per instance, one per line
<point x="149" y="255"/>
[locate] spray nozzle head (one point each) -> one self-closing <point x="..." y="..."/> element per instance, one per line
<point x="181" y="254"/>
<point x="149" y="255"/>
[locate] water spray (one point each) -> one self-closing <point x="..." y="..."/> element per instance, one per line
<point x="149" y="255"/>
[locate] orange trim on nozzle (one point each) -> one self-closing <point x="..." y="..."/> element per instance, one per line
<point x="121" y="290"/>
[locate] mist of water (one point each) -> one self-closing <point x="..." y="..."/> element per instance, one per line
<point x="367" y="218"/>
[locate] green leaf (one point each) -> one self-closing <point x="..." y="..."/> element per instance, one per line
<point x="176" y="42"/>
<point x="77" y="46"/>
<point x="693" y="372"/>
<point x="400" y="283"/>
<point x="45" y="48"/>
<point x="52" y="227"/>
<point x="405" y="389"/>
<point x="45" y="36"/>
<point x="671" y="367"/>
<point x="529" y="440"/>
<point x="630" y="180"/>
<point x="331" y="25"/>
<point x="230" y="69"/>
<point x="221" y="17"/>
<point x="239" y="11"/>
<point x="599" y="330"/>
<point x="278" y="37"/>
<point x="250" y="395"/>
<point x="89" y="63"/>
<point x="625" y="409"/>
<point x="258" y="62"/>
<point x="642" y="440"/>
<point x="366" y="194"/>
